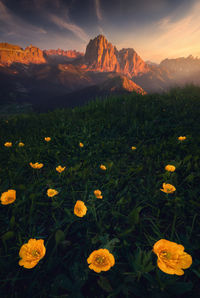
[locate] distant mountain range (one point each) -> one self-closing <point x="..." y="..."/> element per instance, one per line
<point x="67" y="78"/>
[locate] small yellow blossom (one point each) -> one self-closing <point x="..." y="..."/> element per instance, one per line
<point x="36" y="165"/>
<point x="21" y="144"/>
<point x="81" y="144"/>
<point x="133" y="148"/>
<point x="60" y="169"/>
<point x="171" y="257"/>
<point x="181" y="138"/>
<point x="101" y="260"/>
<point x="168" y="188"/>
<point x="103" y="167"/>
<point x="170" y="168"/>
<point x="31" y="253"/>
<point x="8" y="197"/>
<point x="8" y="144"/>
<point x="47" y="139"/>
<point x="52" y="192"/>
<point x="80" y="209"/>
<point x="97" y="193"/>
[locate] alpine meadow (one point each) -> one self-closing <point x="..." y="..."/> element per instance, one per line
<point x="102" y="200"/>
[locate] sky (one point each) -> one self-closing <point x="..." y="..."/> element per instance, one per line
<point x="155" y="29"/>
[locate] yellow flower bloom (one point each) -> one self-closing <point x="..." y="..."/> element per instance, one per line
<point x="168" y="188"/>
<point x="8" y="144"/>
<point x="133" y="148"/>
<point x="80" y="209"/>
<point x="181" y="138"/>
<point x="52" y="192"/>
<point x="47" y="139"/>
<point x="36" y="165"/>
<point x="8" y="197"/>
<point x="101" y="260"/>
<point x="81" y="144"/>
<point x="103" y="167"/>
<point x="170" y="168"/>
<point x="31" y="253"/>
<point x="60" y="169"/>
<point x="21" y="144"/>
<point x="171" y="257"/>
<point x="97" y="193"/>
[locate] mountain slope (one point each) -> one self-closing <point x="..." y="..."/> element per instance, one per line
<point x="14" y="54"/>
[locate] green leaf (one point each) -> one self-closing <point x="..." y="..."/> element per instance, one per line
<point x="8" y="235"/>
<point x="104" y="283"/>
<point x="111" y="244"/>
<point x="59" y="236"/>
<point x="12" y="222"/>
<point x="133" y="217"/>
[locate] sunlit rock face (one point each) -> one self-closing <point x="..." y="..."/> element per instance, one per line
<point x="14" y="54"/>
<point x="100" y="55"/>
<point x="59" y="52"/>
<point x="103" y="56"/>
<point x="119" y="83"/>
<point x="130" y="63"/>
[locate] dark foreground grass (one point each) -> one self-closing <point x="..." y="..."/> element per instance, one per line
<point x="133" y="214"/>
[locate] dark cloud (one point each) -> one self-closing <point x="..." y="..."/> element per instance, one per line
<point x="49" y="21"/>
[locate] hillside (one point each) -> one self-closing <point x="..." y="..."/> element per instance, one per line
<point x="134" y="137"/>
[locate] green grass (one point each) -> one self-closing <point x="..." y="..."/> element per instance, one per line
<point x="131" y="217"/>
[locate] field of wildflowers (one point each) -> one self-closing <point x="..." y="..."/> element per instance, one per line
<point x="102" y="200"/>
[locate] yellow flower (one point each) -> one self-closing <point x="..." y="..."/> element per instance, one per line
<point x="101" y="260"/>
<point x="60" y="169"/>
<point x="181" y="138"/>
<point x="8" y="144"/>
<point x="36" y="165"/>
<point x="168" y="188"/>
<point x="31" y="253"/>
<point x="80" y="209"/>
<point x="52" y="192"/>
<point x="47" y="139"/>
<point x="171" y="257"/>
<point x="21" y="144"/>
<point x="8" y="197"/>
<point x="133" y="148"/>
<point x="103" y="167"/>
<point x="97" y="193"/>
<point x="81" y="144"/>
<point x="170" y="168"/>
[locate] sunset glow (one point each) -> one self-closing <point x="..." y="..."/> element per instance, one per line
<point x="156" y="29"/>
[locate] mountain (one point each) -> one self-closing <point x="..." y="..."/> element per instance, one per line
<point x="72" y="54"/>
<point x="119" y="83"/>
<point x="14" y="54"/>
<point x="184" y="65"/>
<point x="68" y="77"/>
<point x="61" y="56"/>
<point x="183" y="70"/>
<point x="107" y="84"/>
<point x="101" y="55"/>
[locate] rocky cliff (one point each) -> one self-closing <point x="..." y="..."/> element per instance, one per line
<point x="101" y="55"/>
<point x="11" y="54"/>
<point x="120" y="83"/>
<point x="69" y="53"/>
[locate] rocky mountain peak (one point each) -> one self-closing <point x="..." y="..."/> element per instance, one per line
<point x="14" y="54"/>
<point x="101" y="55"/>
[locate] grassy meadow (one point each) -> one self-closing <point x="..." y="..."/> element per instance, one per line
<point x="133" y="213"/>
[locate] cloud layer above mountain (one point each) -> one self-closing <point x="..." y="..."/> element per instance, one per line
<point x="156" y="29"/>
